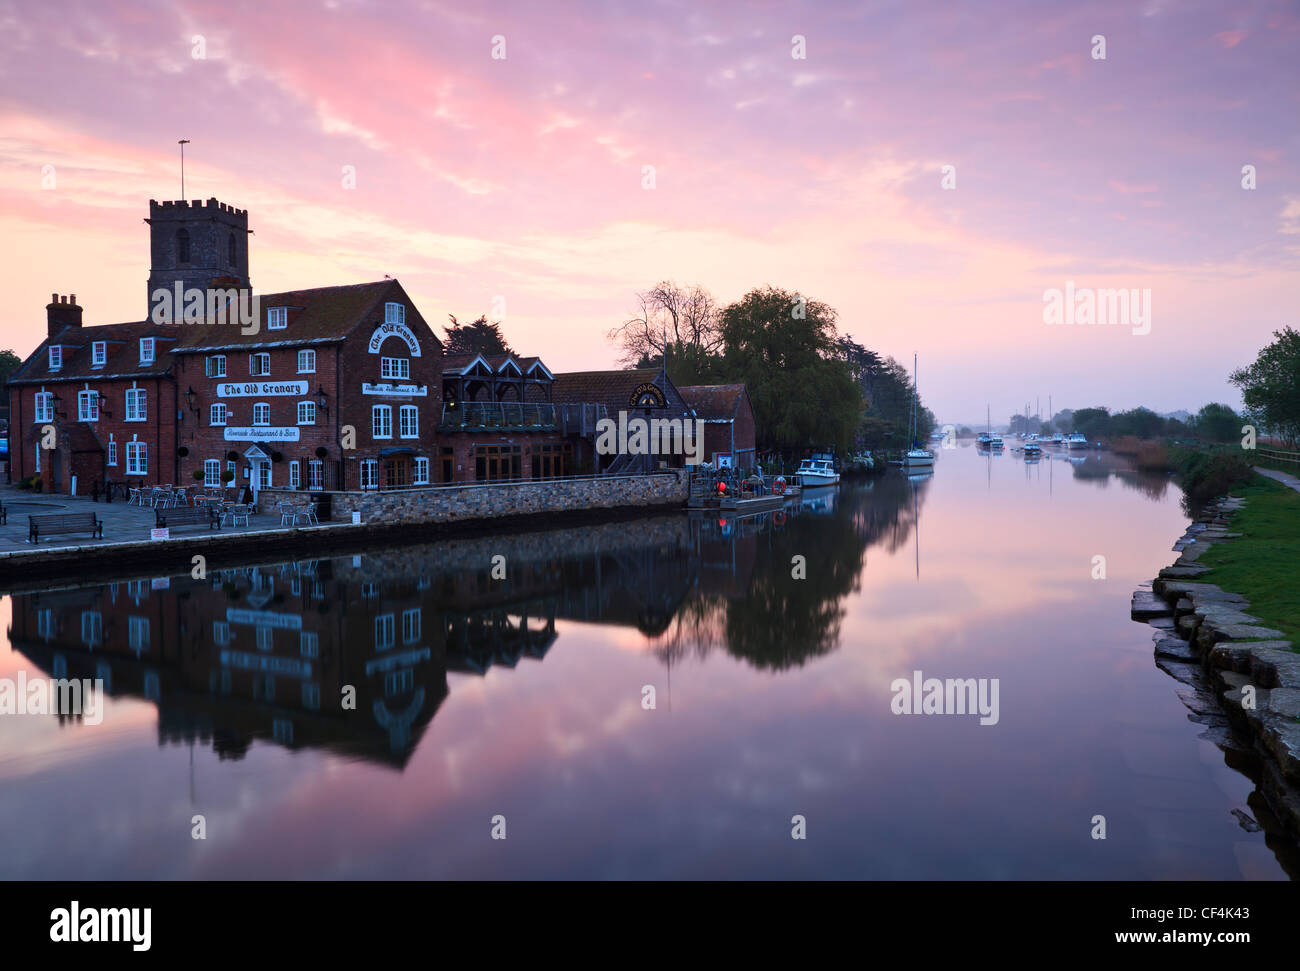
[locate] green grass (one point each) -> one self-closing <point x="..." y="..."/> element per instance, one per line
<point x="1263" y="564"/>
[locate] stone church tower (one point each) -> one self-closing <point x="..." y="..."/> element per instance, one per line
<point x="196" y="243"/>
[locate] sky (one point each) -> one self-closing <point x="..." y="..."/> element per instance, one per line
<point x="499" y="156"/>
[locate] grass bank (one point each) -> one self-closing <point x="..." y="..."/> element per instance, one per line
<point x="1263" y="564"/>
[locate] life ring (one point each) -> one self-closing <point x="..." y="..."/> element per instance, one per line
<point x="778" y="485"/>
<point x="778" y="518"/>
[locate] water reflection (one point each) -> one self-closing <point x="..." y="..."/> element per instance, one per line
<point x="271" y="653"/>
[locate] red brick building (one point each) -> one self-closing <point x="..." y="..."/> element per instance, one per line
<point x="728" y="423"/>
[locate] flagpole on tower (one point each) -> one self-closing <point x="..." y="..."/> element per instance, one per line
<point x="183" y="142"/>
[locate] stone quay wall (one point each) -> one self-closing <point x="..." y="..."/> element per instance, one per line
<point x="1239" y="671"/>
<point x="456" y="503"/>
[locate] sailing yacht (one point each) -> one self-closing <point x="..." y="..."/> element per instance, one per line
<point x="917" y="457"/>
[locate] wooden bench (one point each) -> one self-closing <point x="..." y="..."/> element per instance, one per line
<point x="63" y="522"/>
<point x="199" y="515"/>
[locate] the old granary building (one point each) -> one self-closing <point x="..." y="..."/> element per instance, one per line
<point x="335" y="388"/>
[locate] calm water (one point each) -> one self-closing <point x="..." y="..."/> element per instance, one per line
<point x="523" y="697"/>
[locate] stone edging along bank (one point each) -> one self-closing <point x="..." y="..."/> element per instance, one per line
<point x="1252" y="669"/>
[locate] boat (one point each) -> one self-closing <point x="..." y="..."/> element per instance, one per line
<point x="817" y="471"/>
<point x="995" y="441"/>
<point x="916" y="457"/>
<point x="1033" y="450"/>
<point x="1057" y="439"/>
<point x="1076" y="440"/>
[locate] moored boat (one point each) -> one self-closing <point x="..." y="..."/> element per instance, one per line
<point x="817" y="471"/>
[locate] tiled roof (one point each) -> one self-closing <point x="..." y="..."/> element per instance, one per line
<point x="614" y="389"/>
<point x="122" y="346"/>
<point x="319" y="315"/>
<point x="714" y="401"/>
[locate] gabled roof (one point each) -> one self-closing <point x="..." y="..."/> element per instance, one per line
<point x="122" y="344"/>
<point x="714" y="402"/>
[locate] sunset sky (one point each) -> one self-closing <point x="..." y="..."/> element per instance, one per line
<point x="522" y="177"/>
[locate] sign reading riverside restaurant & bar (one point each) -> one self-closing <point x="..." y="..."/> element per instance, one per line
<point x="262" y="433"/>
<point x="261" y="389"/>
<point x="396" y="390"/>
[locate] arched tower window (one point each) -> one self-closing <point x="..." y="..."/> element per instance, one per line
<point x="232" y="250"/>
<point x="183" y="245"/>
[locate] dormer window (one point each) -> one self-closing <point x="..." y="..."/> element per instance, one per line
<point x="98" y="353"/>
<point x="146" y="350"/>
<point x="56" y="357"/>
<point x="277" y="318"/>
<point x="394" y="313"/>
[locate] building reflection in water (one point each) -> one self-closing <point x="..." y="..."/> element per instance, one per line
<point x="269" y="652"/>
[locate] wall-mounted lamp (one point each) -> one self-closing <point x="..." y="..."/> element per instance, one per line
<point x="322" y="400"/>
<point x="191" y="400"/>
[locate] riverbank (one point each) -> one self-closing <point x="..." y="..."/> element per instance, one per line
<point x="1229" y="605"/>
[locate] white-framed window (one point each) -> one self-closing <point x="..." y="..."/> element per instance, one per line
<point x="265" y="638"/>
<point x="88" y="405"/>
<point x="44" y="406"/>
<point x="306" y="413"/>
<point x="309" y="643"/>
<point x="212" y="472"/>
<point x="421" y="471"/>
<point x="277" y="318"/>
<point x="409" y="421"/>
<point x="221" y="632"/>
<point x="370" y="473"/>
<point x="381" y="421"/>
<point x="307" y="362"/>
<point x="394" y="313"/>
<point x="56" y="357"/>
<point x="92" y="628"/>
<point x="218" y="414"/>
<point x="215" y="366"/>
<point x="98" y="353"/>
<point x="112" y="450"/>
<point x="146" y="350"/>
<point x="394" y="367"/>
<point x="261" y="413"/>
<point x="138" y="633"/>
<point x="315" y="474"/>
<point x="411" y="625"/>
<point x="137" y="458"/>
<point x="137" y="404"/>
<point x="259" y="365"/>
<point x="264" y="474"/>
<point x="384" y="627"/>
<point x="294" y="481"/>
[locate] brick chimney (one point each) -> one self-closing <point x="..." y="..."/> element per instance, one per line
<point x="62" y="312"/>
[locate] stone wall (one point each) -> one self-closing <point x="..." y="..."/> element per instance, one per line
<point x="447" y="504"/>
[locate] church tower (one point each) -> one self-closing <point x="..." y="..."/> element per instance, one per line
<point x="195" y="244"/>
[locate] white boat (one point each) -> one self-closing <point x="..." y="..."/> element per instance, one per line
<point x="1058" y="439"/>
<point x="916" y="457"/>
<point x="1033" y="450"/>
<point x="995" y="441"/>
<point x="1076" y="440"/>
<point x="983" y="439"/>
<point x="817" y="471"/>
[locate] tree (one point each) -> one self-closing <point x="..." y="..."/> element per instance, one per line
<point x="479" y="337"/>
<point x="783" y="348"/>
<point x="1092" y="423"/>
<point x="9" y="363"/>
<point x="668" y="315"/>
<point x="1218" y="423"/>
<point x="1141" y="422"/>
<point x="1063" y="420"/>
<point x="1271" y="386"/>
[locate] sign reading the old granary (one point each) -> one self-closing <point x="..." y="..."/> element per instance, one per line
<point x="647" y="396"/>
<point x="262" y="389"/>
<point x="387" y="330"/>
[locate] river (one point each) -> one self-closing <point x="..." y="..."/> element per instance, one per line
<point x="661" y="698"/>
